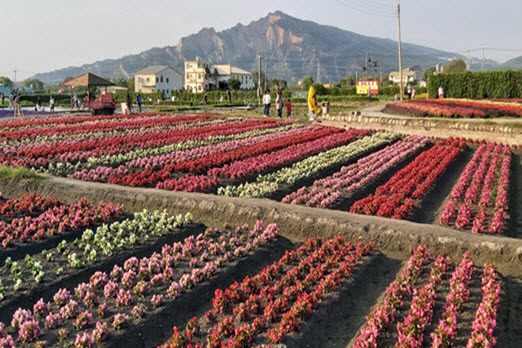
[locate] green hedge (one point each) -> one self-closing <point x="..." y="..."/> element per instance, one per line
<point x="477" y="85"/>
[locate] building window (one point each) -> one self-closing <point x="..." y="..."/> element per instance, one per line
<point x="167" y="80"/>
<point x="148" y="79"/>
<point x="161" y="79"/>
<point x="157" y="79"/>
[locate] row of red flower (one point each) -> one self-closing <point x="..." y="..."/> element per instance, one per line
<point x="273" y="303"/>
<point x="148" y="177"/>
<point x="27" y="204"/>
<point x="82" y="150"/>
<point x="455" y="108"/>
<point x="474" y="192"/>
<point x="87" y="316"/>
<point x="326" y="192"/>
<point x="397" y="197"/>
<point x="70" y="120"/>
<point x="258" y="164"/>
<point x="55" y="221"/>
<point x="94" y="124"/>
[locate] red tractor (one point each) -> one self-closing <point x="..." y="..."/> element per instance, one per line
<point x="104" y="104"/>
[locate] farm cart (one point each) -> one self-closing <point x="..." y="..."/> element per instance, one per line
<point x="104" y="104"/>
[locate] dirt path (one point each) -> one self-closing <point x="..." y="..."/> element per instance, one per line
<point x="515" y="228"/>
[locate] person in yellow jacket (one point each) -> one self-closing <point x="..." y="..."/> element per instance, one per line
<point x="313" y="108"/>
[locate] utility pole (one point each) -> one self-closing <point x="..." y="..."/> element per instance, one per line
<point x="318" y="77"/>
<point x="266" y="72"/>
<point x="400" y="49"/>
<point x="483" y="56"/>
<point x="15" y="71"/>
<point x="259" y="90"/>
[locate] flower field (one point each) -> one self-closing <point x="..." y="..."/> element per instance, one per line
<point x="457" y="108"/>
<point x="358" y="170"/>
<point x="123" y="271"/>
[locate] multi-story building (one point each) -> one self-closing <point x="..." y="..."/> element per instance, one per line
<point x="408" y="76"/>
<point x="158" y="78"/>
<point x="200" y="77"/>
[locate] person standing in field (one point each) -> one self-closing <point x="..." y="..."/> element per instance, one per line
<point x="129" y="102"/>
<point x="51" y="103"/>
<point x="313" y="108"/>
<point x="17" y="110"/>
<point x="139" y="101"/>
<point x="267" y="100"/>
<point x="413" y="92"/>
<point x="229" y="96"/>
<point x="279" y="104"/>
<point x="288" y="108"/>
<point x="441" y="92"/>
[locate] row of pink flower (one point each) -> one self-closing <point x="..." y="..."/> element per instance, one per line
<point x="103" y="173"/>
<point x="446" y="332"/>
<point x="411" y="329"/>
<point x="419" y="316"/>
<point x="82" y="150"/>
<point x="134" y="286"/>
<point x="27" y="204"/>
<point x="396" y="198"/>
<point x="356" y="177"/>
<point x="62" y="126"/>
<point x="395" y="295"/>
<point x="483" y="327"/>
<point x="475" y="188"/>
<point x="258" y="164"/>
<point x="149" y="177"/>
<point x="56" y="220"/>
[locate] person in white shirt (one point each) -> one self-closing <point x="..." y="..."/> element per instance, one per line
<point x="267" y="100"/>
<point x="441" y="92"/>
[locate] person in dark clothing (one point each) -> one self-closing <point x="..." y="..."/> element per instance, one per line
<point x="279" y="104"/>
<point x="229" y="96"/>
<point x="129" y="102"/>
<point x="139" y="101"/>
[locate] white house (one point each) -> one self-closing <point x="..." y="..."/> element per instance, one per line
<point x="162" y="78"/>
<point x="200" y="77"/>
<point x="408" y="76"/>
<point x="226" y="72"/>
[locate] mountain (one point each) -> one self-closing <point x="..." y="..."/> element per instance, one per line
<point x="513" y="64"/>
<point x="292" y="47"/>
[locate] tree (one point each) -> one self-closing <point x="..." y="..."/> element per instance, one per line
<point x="456" y="65"/>
<point x="306" y="82"/>
<point x="348" y="81"/>
<point x="6" y="81"/>
<point x="234" y="84"/>
<point x="428" y="72"/>
<point x="278" y="84"/>
<point x="35" y="84"/>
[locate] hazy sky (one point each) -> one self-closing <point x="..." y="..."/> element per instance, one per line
<point x="43" y="35"/>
